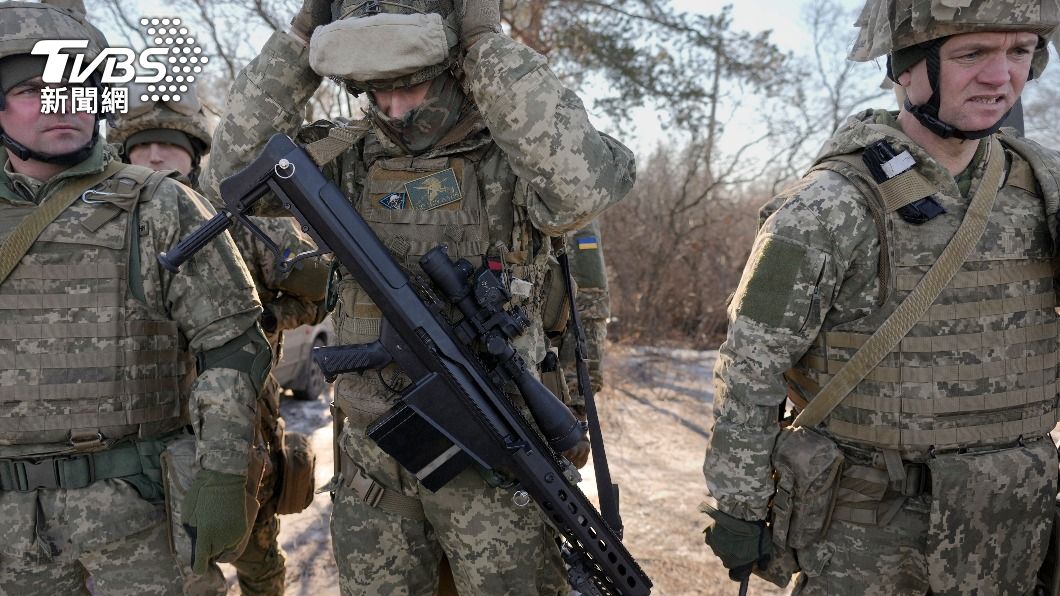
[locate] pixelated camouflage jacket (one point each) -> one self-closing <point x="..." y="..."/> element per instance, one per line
<point x="211" y="299"/>
<point x="822" y="272"/>
<point x="538" y="134"/>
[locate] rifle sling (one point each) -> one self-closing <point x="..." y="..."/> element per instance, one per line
<point x="607" y="491"/>
<point x="918" y="301"/>
<point x="29" y="229"/>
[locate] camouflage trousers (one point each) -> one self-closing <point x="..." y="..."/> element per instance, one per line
<point x="57" y="542"/>
<point x="982" y="529"/>
<point x="493" y="547"/>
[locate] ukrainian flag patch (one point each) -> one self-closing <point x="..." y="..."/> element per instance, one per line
<point x="588" y="243"/>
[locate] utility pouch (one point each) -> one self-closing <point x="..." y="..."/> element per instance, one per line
<point x="297" y="468"/>
<point x="179" y="468"/>
<point x="999" y="503"/>
<point x="807" y="466"/>
<point x="554" y="310"/>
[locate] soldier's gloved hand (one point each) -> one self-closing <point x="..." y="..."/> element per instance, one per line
<point x="478" y="17"/>
<point x="579" y="454"/>
<point x="313" y="14"/>
<point x="215" y="515"/>
<point x="740" y="544"/>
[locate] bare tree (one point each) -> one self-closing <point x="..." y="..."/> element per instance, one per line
<point x="671" y="267"/>
<point x="830" y="88"/>
<point x="648" y="54"/>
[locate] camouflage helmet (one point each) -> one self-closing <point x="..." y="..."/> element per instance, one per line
<point x="347" y="9"/>
<point x="153" y="113"/>
<point x="887" y="26"/>
<point x="23" y="24"/>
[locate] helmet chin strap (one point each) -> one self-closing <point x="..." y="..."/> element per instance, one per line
<point x="928" y="113"/>
<point x="64" y="159"/>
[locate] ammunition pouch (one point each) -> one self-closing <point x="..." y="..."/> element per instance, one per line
<point x="179" y="467"/>
<point x="807" y="465"/>
<point x="781" y="567"/>
<point x="297" y="467"/>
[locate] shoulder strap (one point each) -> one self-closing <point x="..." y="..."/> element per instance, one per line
<point x="895" y="193"/>
<point x="854" y="170"/>
<point x="917" y="302"/>
<point x="606" y="490"/>
<point x="1044" y="172"/>
<point x="339" y="140"/>
<point x="25" y="234"/>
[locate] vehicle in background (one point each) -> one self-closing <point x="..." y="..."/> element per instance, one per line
<point x="296" y="370"/>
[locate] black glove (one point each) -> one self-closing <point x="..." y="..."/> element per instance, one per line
<point x="313" y="14"/>
<point x="740" y="544"/>
<point x="268" y="320"/>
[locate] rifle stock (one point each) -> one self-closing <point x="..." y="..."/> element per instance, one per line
<point x="453" y="413"/>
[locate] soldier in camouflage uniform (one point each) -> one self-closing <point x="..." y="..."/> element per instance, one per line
<point x="479" y="147"/>
<point x="174" y="135"/>
<point x="936" y="473"/>
<point x="105" y="356"/>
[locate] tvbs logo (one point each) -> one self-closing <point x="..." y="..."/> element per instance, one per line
<point x="173" y="58"/>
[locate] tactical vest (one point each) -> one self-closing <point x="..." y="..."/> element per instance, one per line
<point x="979" y="368"/>
<point x="414" y="204"/>
<point x="81" y="358"/>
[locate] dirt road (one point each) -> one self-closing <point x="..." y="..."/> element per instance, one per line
<point x="656" y="414"/>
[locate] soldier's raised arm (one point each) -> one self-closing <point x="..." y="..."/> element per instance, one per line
<point x="269" y="96"/>
<point x="541" y="126"/>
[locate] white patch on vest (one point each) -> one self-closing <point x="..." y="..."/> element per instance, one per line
<point x="521" y="287"/>
<point x="898" y="164"/>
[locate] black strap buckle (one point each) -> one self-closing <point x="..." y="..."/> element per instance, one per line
<point x="31" y="475"/>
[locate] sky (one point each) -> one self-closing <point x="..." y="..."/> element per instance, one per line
<point x="783" y="17"/>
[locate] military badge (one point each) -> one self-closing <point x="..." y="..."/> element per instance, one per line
<point x="433" y="191"/>
<point x="588" y="243"/>
<point x="396" y="200"/>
